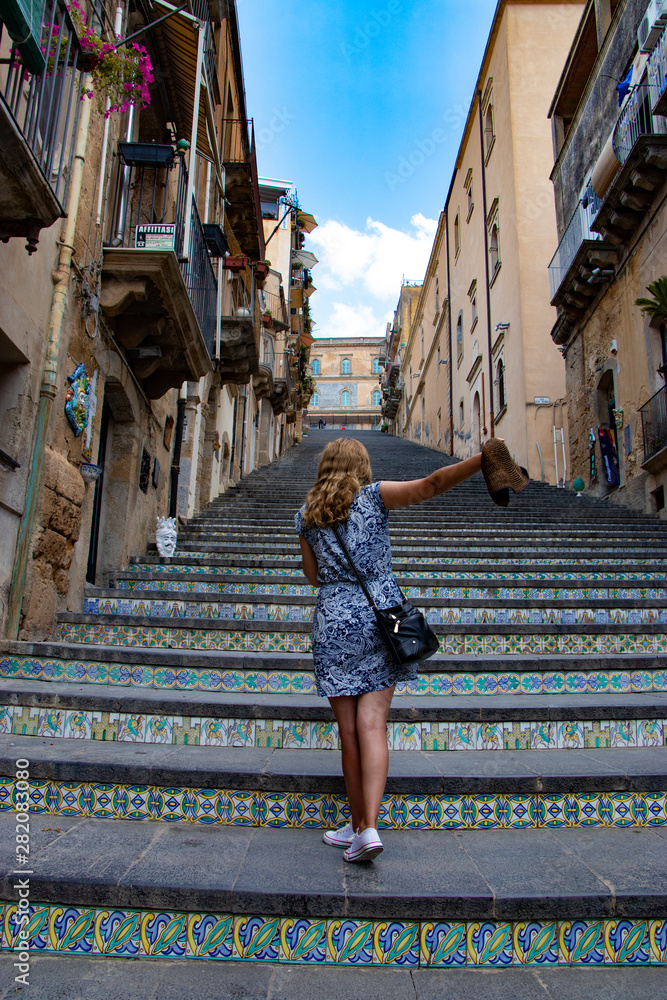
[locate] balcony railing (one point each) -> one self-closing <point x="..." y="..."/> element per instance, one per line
<point x="236" y="298"/>
<point x="149" y="211"/>
<point x="276" y="305"/>
<point x="578" y="229"/>
<point x="236" y="140"/>
<point x="657" y="73"/>
<point x="654" y="424"/>
<point x="45" y="108"/>
<point x="636" y="119"/>
<point x="268" y="352"/>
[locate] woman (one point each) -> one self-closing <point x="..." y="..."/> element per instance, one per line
<point x="353" y="667"/>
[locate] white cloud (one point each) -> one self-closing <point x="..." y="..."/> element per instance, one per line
<point x="378" y="258"/>
<point x="358" y="320"/>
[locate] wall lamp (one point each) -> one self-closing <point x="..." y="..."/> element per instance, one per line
<point x="442" y="361"/>
<point x="502" y="326"/>
<point x="416" y="375"/>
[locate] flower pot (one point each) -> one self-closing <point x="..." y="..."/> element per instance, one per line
<point x="90" y="472"/>
<point x="267" y="319"/>
<point x="261" y="270"/>
<point x="236" y="263"/>
<point x="89" y="59"/>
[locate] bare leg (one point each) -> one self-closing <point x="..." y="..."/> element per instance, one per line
<point x="345" y="710"/>
<point x="372" y="712"/>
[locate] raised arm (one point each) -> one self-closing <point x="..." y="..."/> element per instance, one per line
<point x="397" y="494"/>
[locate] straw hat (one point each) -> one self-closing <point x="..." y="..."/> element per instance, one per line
<point x="501" y="472"/>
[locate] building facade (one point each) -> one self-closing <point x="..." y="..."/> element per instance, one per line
<point x="347" y="374"/>
<point x="478" y="359"/>
<point x="140" y="373"/>
<point x="610" y="174"/>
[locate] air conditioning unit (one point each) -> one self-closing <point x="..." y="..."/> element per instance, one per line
<point x="651" y="25"/>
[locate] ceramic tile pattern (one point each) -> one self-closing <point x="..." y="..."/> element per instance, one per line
<point x="304" y="735"/>
<point x="252" y="681"/>
<point x="133" y="933"/>
<point x="293" y="810"/>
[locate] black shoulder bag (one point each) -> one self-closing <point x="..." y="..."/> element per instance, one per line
<point x="403" y="627"/>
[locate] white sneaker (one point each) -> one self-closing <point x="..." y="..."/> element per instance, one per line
<point x="339" y="838"/>
<point x="365" y="846"/>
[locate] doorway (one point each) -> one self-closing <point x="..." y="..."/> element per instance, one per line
<point x="91" y="571"/>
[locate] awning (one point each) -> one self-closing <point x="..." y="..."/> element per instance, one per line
<point x="306" y="221"/>
<point x="304" y="258"/>
<point x="309" y="291"/>
<point x="179" y="33"/>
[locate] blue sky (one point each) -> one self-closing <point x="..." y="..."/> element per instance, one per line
<point x="362" y="106"/>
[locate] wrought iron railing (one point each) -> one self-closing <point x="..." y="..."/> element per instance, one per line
<point x="149" y="211"/>
<point x="654" y="423"/>
<point x="657" y="69"/>
<point x="46" y="107"/>
<point x="268" y="352"/>
<point x="578" y="229"/>
<point x="636" y="119"/>
<point x="236" y="141"/>
<point x="276" y="305"/>
<point x="237" y="298"/>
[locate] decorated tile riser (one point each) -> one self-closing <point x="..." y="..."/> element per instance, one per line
<point x="506" y="554"/>
<point x="240" y="570"/>
<point x="294" y="734"/>
<point x="299" y="642"/>
<point x="148" y="608"/>
<point x="130" y="933"/>
<point x="304" y="810"/>
<point x="446" y="593"/>
<point x="303" y="682"/>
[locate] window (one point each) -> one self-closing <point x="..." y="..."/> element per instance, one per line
<point x="468" y="187"/>
<point x="345" y="397"/>
<point x="472" y="295"/>
<point x="489" y="133"/>
<point x="437" y="295"/>
<point x="500" y="382"/>
<point x="461" y="414"/>
<point x="494" y="249"/>
<point x="315" y="399"/>
<point x="377" y="397"/>
<point x="457" y="236"/>
<point x="376" y="366"/>
<point x="346" y="366"/>
<point x="459" y="336"/>
<point x="316" y="366"/>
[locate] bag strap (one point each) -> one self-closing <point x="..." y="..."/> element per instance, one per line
<point x="367" y="593"/>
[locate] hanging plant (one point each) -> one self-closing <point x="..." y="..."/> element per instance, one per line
<point x="121" y="74"/>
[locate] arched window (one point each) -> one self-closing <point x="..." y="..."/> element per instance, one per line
<point x="459" y="335"/>
<point x="316" y="366"/>
<point x="377" y="397"/>
<point x="489" y="133"/>
<point x="376" y="366"/>
<point x="315" y="399"/>
<point x="345" y="397"/>
<point x="461" y="413"/>
<point x="500" y="381"/>
<point x="346" y="366"/>
<point x="457" y="235"/>
<point x="494" y="248"/>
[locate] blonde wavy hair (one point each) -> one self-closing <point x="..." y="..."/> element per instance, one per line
<point x="344" y="468"/>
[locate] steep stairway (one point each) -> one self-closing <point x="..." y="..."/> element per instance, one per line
<point x="182" y="766"/>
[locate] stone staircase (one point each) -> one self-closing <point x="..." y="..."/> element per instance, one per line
<point x="182" y="768"/>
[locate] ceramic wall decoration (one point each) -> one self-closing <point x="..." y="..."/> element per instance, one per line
<point x="76" y="400"/>
<point x="166" y="536"/>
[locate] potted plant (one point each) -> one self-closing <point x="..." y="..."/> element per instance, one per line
<point x="267" y="317"/>
<point x="121" y="74"/>
<point x="236" y="263"/>
<point x="262" y="269"/>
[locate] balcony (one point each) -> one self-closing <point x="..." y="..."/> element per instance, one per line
<point x="393" y="372"/>
<point x="392" y="397"/>
<point x="654" y="430"/>
<point x="657" y="75"/>
<point x="39" y="115"/>
<point x="640" y="146"/>
<point x="161" y="304"/>
<point x="262" y="381"/>
<point x="244" y="211"/>
<point x="274" y="303"/>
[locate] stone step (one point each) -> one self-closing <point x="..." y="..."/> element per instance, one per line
<point x="423" y="883"/>
<point x="565" y="546"/>
<point x="154" y="567"/>
<point x="275" y="788"/>
<point x="413" y="587"/>
<point x="305" y="722"/>
<point x="99" y="978"/>
<point x="290" y="674"/>
<point x="438" y="611"/>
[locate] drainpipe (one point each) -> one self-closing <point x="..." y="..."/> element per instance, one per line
<point x="176" y="461"/>
<point x="117" y="28"/>
<point x="486" y="263"/>
<point x="49" y="386"/>
<point x="449" y="339"/>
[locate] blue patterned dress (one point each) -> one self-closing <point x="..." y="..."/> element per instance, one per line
<point x="349" y="655"/>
